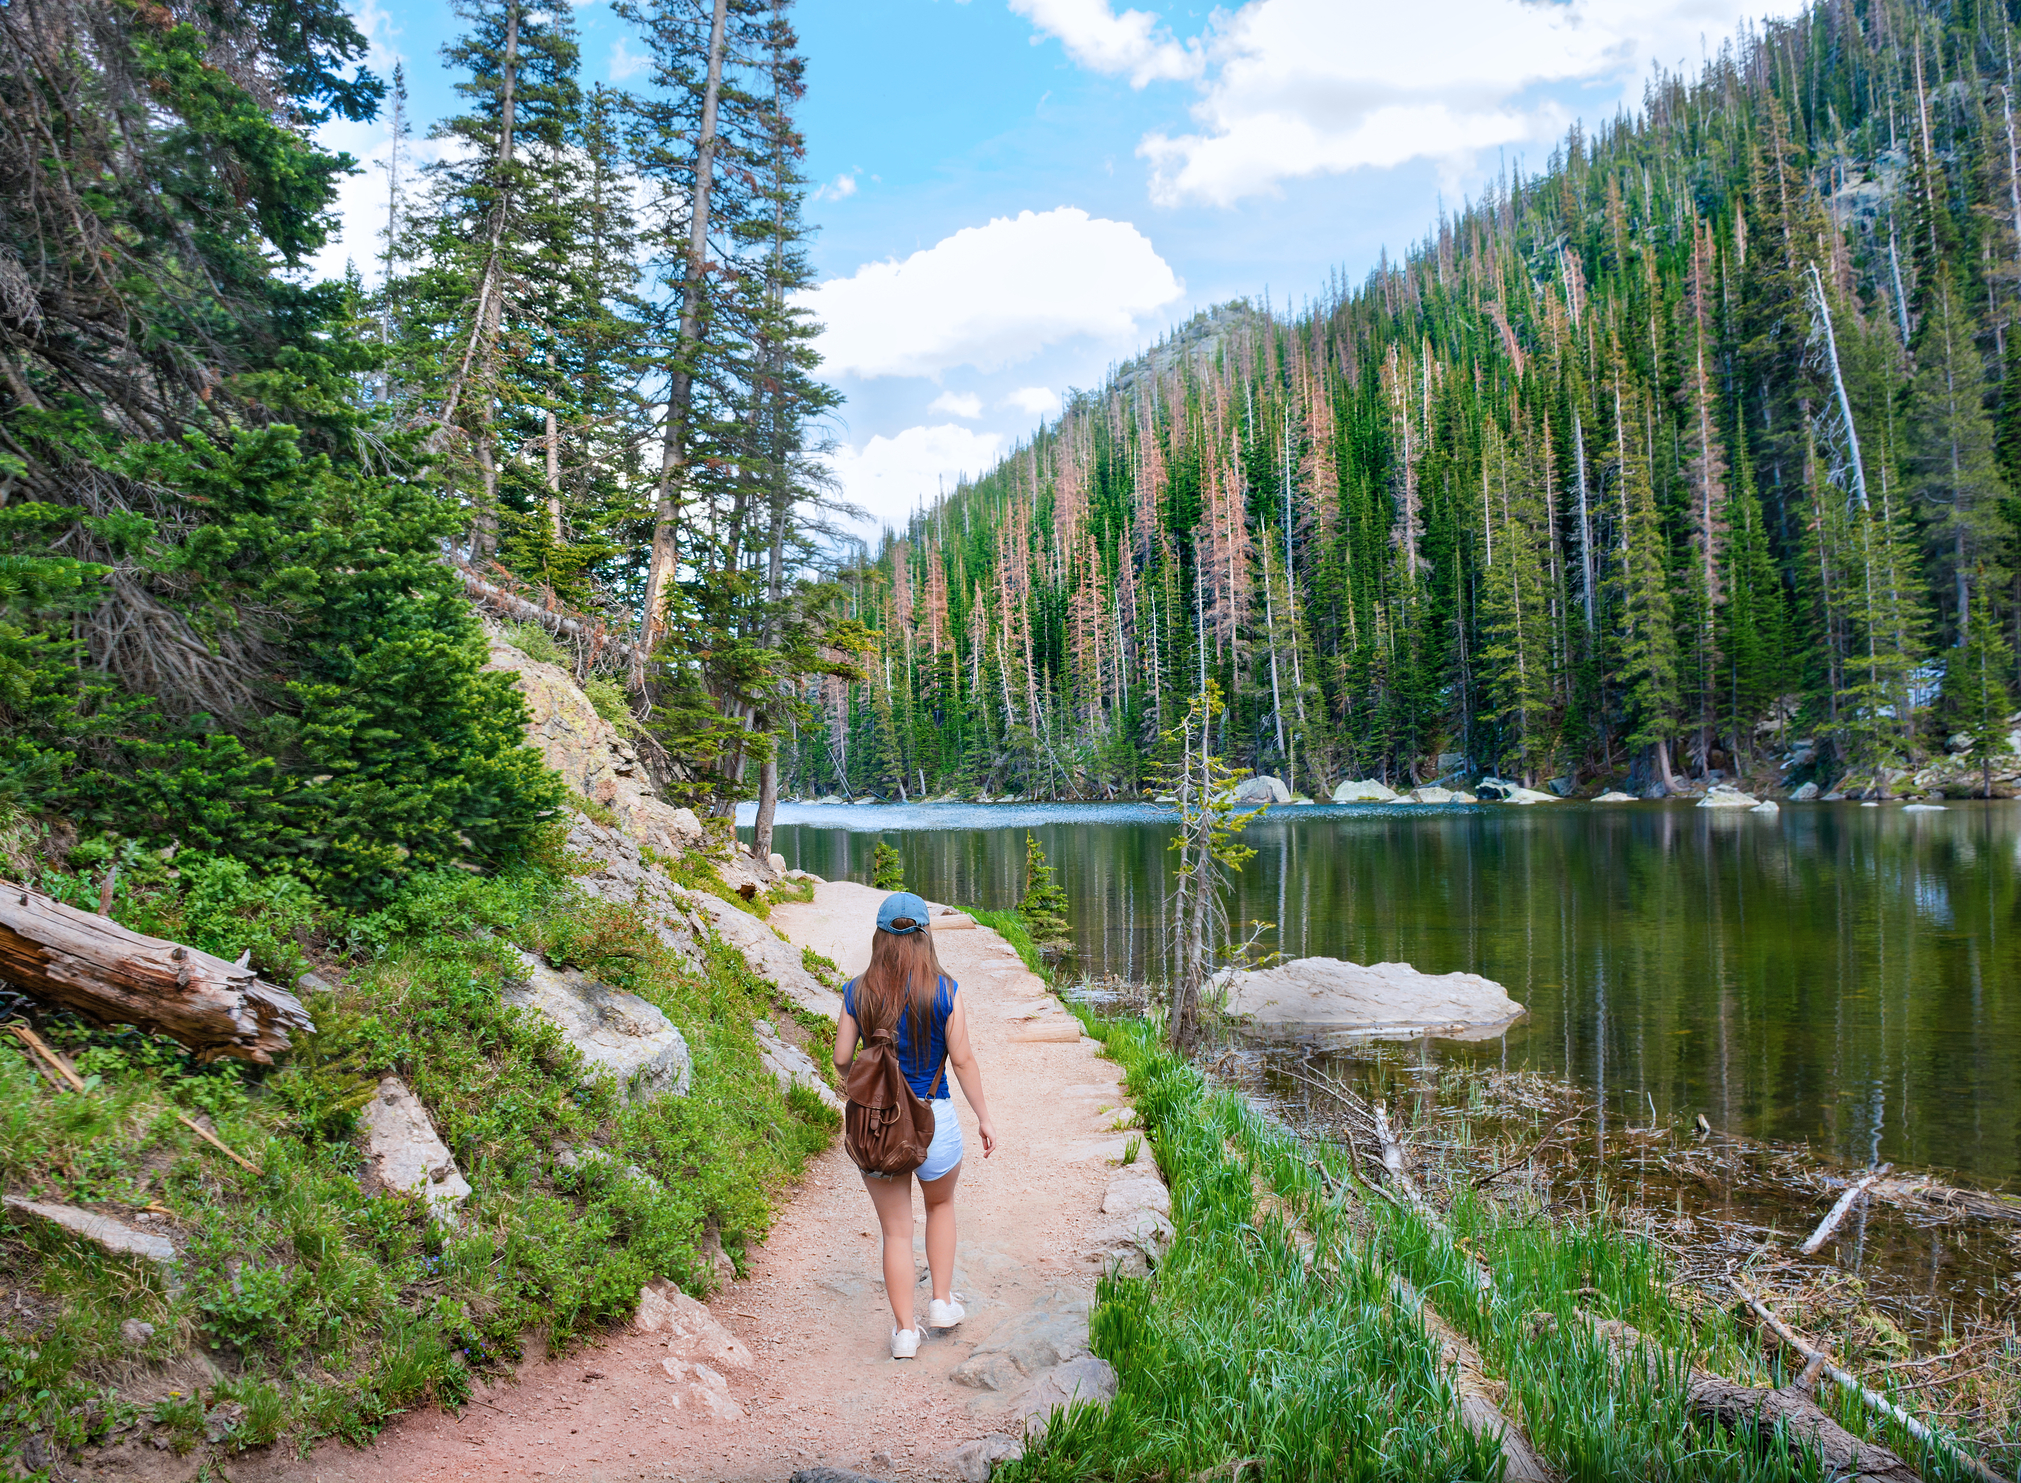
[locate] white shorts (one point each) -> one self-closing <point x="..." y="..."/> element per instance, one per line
<point x="946" y="1150"/>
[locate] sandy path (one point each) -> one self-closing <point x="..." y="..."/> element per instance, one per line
<point x="813" y="1312"/>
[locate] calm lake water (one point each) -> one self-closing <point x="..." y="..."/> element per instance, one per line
<point x="1846" y="977"/>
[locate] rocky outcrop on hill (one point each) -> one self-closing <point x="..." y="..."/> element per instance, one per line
<point x="404" y="1152"/>
<point x="621" y="1035"/>
<point x="1385" y="1000"/>
<point x="590" y="754"/>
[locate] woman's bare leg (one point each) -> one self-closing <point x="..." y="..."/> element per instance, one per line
<point x="939" y="1229"/>
<point x="893" y="1201"/>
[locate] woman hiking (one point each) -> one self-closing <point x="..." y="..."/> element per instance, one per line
<point x="905" y="990"/>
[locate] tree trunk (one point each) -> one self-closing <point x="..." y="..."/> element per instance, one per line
<point x="91" y="964"/>
<point x="681" y="376"/>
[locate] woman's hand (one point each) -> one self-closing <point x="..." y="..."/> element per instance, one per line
<point x="988" y="1136"/>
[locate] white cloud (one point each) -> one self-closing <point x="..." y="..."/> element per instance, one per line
<point x="957" y="404"/>
<point x="626" y="63"/>
<point x="1037" y="400"/>
<point x="890" y="477"/>
<point x="841" y="188"/>
<point x="1098" y="38"/>
<point x="1292" y="88"/>
<point x="992" y="296"/>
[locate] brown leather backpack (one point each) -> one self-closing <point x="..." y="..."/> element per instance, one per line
<point x="886" y="1128"/>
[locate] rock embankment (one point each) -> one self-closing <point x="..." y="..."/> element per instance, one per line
<point x="1394" y="1001"/>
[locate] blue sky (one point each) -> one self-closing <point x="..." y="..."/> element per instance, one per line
<point x="1015" y="194"/>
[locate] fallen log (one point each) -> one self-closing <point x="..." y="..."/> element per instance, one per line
<point x="111" y="976"/>
<point x="1839" y="1210"/>
<point x="1480" y="1398"/>
<point x="1771" y="1414"/>
<point x="1816" y="1361"/>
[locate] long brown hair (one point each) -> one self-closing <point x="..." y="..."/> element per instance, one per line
<point x="903" y="978"/>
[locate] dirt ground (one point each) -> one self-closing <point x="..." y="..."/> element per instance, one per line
<point x="823" y="1390"/>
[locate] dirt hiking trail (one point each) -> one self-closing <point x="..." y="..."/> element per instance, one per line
<point x="817" y="1387"/>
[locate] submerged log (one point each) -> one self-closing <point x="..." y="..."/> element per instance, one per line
<point x="1840" y="1210"/>
<point x="111" y="976"/>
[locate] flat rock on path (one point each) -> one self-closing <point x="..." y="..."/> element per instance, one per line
<point x="821" y="1391"/>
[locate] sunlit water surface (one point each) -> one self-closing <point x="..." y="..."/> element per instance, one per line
<point x="1846" y="977"/>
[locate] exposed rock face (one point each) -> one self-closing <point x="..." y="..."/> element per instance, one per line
<point x="1262" y="789"/>
<point x="1719" y="795"/>
<point x="791" y="1066"/>
<point x="1766" y="806"/>
<point x="1366" y="791"/>
<point x="108" y="1235"/>
<point x="972" y="1461"/>
<point x="404" y="1152"/>
<point x="620" y="1034"/>
<point x="1806" y="794"/>
<point x="1386" y="1000"/>
<point x="589" y="753"/>
<point x="1430" y="795"/>
<point x="1137" y="1186"/>
<point x="692" y="1333"/>
<point x="762" y="948"/>
<point x="1615" y="796"/>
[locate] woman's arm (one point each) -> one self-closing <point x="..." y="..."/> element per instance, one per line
<point x="845" y="1043"/>
<point x="968" y="1073"/>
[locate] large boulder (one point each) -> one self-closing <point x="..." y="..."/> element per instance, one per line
<point x="1431" y="795"/>
<point x="791" y="1066"/>
<point x="1262" y="789"/>
<point x="1385" y="1001"/>
<point x="404" y="1152"/>
<point x="621" y="1035"/>
<point x="1615" y="795"/>
<point x="1367" y="790"/>
<point x="1720" y="795"/>
<point x="591" y="754"/>
<point x="1806" y="794"/>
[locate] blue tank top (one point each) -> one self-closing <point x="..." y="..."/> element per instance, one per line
<point x="919" y="1069"/>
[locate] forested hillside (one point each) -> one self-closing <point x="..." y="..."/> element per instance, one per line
<point x="1697" y="443"/>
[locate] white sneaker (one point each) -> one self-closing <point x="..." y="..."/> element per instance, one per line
<point x="904" y="1343"/>
<point x="945" y="1315"/>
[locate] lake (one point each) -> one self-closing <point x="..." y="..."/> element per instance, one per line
<point x="1842" y="976"/>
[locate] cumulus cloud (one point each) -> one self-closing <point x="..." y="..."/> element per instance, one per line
<point x="889" y="477"/>
<point x="957" y="404"/>
<point x="1036" y="400"/>
<point x="1098" y="38"/>
<point x="992" y="296"/>
<point x="625" y="63"/>
<point x="841" y="188"/>
<point x="1294" y="88"/>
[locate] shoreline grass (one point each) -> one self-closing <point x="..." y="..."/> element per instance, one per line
<point x="1278" y="1284"/>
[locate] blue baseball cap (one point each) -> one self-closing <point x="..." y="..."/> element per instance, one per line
<point x="902" y="906"/>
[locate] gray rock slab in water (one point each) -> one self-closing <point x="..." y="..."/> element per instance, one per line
<point x="1719" y="795"/>
<point x="1806" y="794"/>
<point x="404" y="1152"/>
<point x="620" y="1034"/>
<point x="1262" y="789"/>
<point x="114" y="1237"/>
<point x="1615" y="795"/>
<point x="1366" y="791"/>
<point x="1383" y="1000"/>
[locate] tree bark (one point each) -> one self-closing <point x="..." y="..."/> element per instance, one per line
<point x="681" y="375"/>
<point x="91" y="964"/>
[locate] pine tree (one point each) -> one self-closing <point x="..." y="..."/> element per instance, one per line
<point x="1044" y="903"/>
<point x="1975" y="683"/>
<point x="1648" y="636"/>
